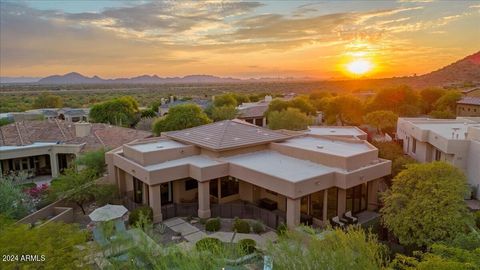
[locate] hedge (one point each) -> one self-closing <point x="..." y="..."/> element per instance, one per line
<point x="212" y="225"/>
<point x="135" y="214"/>
<point x="241" y="226"/>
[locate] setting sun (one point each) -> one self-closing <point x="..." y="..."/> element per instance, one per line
<point x="359" y="67"/>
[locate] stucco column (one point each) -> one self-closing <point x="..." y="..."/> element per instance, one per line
<point x="341" y="202"/>
<point x="121" y="182"/>
<point x="264" y="122"/>
<point x="372" y="192"/>
<point x="293" y="212"/>
<point x="155" y="202"/>
<point x="325" y="205"/>
<point x="204" y="199"/>
<point x="54" y="164"/>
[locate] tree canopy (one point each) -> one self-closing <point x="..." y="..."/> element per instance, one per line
<point x="58" y="242"/>
<point x="223" y="113"/>
<point x="291" y="119"/>
<point x="93" y="160"/>
<point x="299" y="103"/>
<point x="426" y="204"/>
<point x="382" y="120"/>
<point x="346" y="109"/>
<point x="122" y="111"/>
<point x="46" y="100"/>
<point x="180" y="117"/>
<point x="225" y="100"/>
<point x="337" y="249"/>
<point x="402" y="100"/>
<point x="429" y="96"/>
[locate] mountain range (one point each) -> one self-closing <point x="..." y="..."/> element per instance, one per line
<point x="466" y="70"/>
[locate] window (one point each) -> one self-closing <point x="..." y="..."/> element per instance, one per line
<point x="190" y="184"/>
<point x="414" y="145"/>
<point x="214" y="188"/>
<point x="438" y="155"/>
<point x="357" y="198"/>
<point x="316" y="204"/>
<point x="229" y="186"/>
<point x="332" y="200"/>
<point x="137" y="190"/>
<point x="166" y="193"/>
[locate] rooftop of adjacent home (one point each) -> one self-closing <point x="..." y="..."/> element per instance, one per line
<point x="331" y="145"/>
<point x="91" y="135"/>
<point x="447" y="128"/>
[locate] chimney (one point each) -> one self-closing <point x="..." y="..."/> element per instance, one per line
<point x="82" y="129"/>
<point x="268" y="98"/>
<point x="172" y="99"/>
<point x="213" y="97"/>
<point x="162" y="101"/>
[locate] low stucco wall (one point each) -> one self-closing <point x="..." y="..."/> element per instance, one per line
<point x="43" y="213"/>
<point x="62" y="214"/>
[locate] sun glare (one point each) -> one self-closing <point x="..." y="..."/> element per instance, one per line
<point x="359" y="67"/>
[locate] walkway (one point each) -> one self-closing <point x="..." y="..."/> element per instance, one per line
<point x="192" y="234"/>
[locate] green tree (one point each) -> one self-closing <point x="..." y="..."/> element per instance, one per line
<point x="382" y="120"/>
<point x="180" y="117"/>
<point x="94" y="161"/>
<point x="443" y="114"/>
<point x="57" y="242"/>
<point x="336" y="249"/>
<point x="148" y="113"/>
<point x="14" y="203"/>
<point x="429" y="96"/>
<point x="346" y="109"/>
<point x="46" y="100"/>
<point x="122" y="111"/>
<point x="292" y="119"/>
<point x="225" y="100"/>
<point x="448" y="101"/>
<point x="303" y="105"/>
<point x="76" y="187"/>
<point x="426" y="204"/>
<point x="5" y="121"/>
<point x="223" y="113"/>
<point x="277" y="105"/>
<point x="402" y="100"/>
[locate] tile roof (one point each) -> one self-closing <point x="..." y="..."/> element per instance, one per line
<point x="228" y="134"/>
<point x="253" y="111"/>
<point x="469" y="101"/>
<point x="101" y="135"/>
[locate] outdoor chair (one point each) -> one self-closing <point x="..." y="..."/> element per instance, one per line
<point x="337" y="223"/>
<point x="351" y="219"/>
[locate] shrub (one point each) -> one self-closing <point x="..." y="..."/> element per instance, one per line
<point x="241" y="226"/>
<point x="258" y="227"/>
<point x="209" y="244"/>
<point x="477" y="219"/>
<point x="135" y="214"/>
<point x="282" y="229"/>
<point x="212" y="225"/>
<point x="247" y="245"/>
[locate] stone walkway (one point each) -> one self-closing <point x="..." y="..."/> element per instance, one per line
<point x="192" y="234"/>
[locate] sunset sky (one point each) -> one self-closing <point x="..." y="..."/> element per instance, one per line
<point x="319" y="39"/>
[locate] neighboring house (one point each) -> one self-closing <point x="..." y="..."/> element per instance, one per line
<point x="472" y="92"/>
<point x="294" y="175"/>
<point x="254" y="112"/>
<point x="468" y="106"/>
<point x="337" y="131"/>
<point x="45" y="148"/>
<point x="456" y="141"/>
<point x="165" y="106"/>
<point x="67" y="114"/>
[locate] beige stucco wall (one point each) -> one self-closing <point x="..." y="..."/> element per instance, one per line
<point x="468" y="110"/>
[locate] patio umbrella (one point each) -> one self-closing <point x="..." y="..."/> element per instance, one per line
<point x="108" y="212"/>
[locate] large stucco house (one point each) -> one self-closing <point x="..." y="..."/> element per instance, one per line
<point x="292" y="175"/>
<point x="456" y="141"/>
<point x="44" y="148"/>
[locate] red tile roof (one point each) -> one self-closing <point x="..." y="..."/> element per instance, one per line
<point x="101" y="135"/>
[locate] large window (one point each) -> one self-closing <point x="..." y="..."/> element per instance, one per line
<point x="137" y="190"/>
<point x="229" y="186"/>
<point x="414" y="145"/>
<point x="332" y="202"/>
<point x="357" y="198"/>
<point x="166" y="193"/>
<point x="316" y="204"/>
<point x="214" y="188"/>
<point x="438" y="155"/>
<point x="190" y="184"/>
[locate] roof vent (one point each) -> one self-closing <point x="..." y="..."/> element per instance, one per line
<point x="266" y="134"/>
<point x="320" y="146"/>
<point x="159" y="146"/>
<point x="207" y="138"/>
<point x="187" y="133"/>
<point x="332" y="131"/>
<point x="236" y="139"/>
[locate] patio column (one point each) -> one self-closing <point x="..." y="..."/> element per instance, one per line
<point x="264" y="122"/>
<point x="204" y="199"/>
<point x="54" y="164"/>
<point x="372" y="193"/>
<point x="342" y="201"/>
<point x="122" y="185"/>
<point x="155" y="202"/>
<point x="325" y="205"/>
<point x="293" y="212"/>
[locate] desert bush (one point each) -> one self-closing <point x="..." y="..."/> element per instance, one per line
<point x="247" y="245"/>
<point x="282" y="229"/>
<point x="212" y="225"/>
<point x="241" y="226"/>
<point x="135" y="214"/>
<point x="258" y="227"/>
<point x="209" y="244"/>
